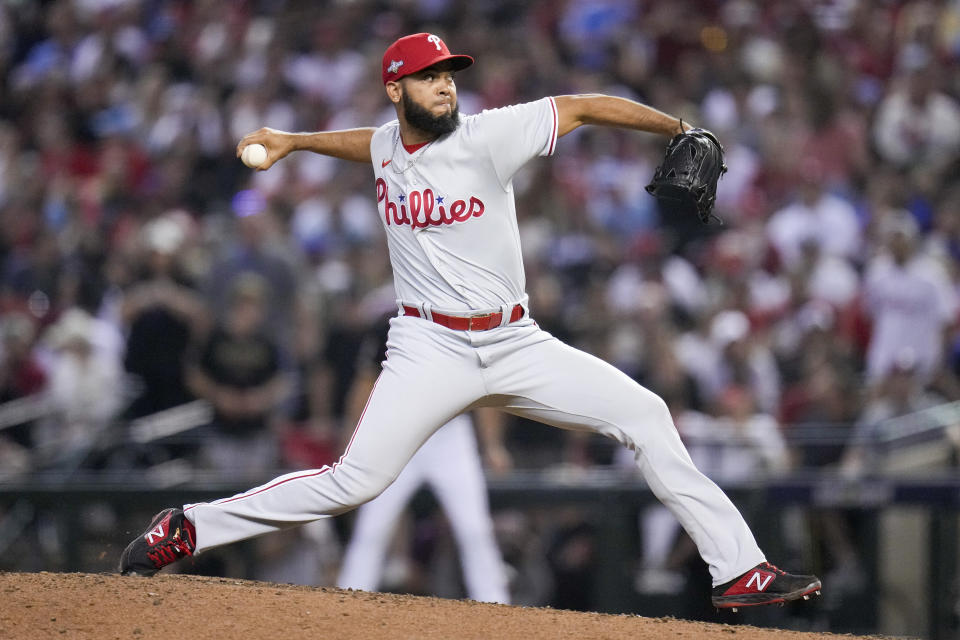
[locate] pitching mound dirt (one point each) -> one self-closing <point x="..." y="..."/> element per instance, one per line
<point x="77" y="605"/>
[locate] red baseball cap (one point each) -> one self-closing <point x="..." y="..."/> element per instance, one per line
<point x="413" y="53"/>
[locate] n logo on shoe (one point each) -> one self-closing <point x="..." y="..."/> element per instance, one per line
<point x="763" y="580"/>
<point x="156" y="532"/>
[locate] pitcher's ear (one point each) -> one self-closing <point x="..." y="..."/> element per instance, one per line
<point x="394" y="91"/>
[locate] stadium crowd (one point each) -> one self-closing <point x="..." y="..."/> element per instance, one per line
<point x="142" y="266"/>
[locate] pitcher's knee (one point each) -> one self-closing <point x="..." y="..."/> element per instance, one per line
<point x="661" y="411"/>
<point x="649" y="409"/>
<point x="369" y="490"/>
<point x="366" y="495"/>
<point x="648" y="419"/>
<point x="357" y="488"/>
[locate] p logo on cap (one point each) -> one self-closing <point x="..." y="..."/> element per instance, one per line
<point x="415" y="52"/>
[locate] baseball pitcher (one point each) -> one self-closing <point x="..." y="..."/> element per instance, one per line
<point x="464" y="335"/>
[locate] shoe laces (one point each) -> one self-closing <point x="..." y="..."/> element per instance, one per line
<point x="774" y="568"/>
<point x="174" y="548"/>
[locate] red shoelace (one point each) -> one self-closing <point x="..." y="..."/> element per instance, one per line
<point x="170" y="550"/>
<point x="770" y="567"/>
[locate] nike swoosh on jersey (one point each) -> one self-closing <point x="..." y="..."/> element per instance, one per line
<point x="384" y="163"/>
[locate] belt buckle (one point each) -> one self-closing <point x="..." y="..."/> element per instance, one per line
<point x="477" y="317"/>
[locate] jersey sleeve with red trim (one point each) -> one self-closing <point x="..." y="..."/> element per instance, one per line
<point x="514" y="135"/>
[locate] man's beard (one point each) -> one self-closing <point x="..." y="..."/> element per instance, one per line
<point x="422" y="119"/>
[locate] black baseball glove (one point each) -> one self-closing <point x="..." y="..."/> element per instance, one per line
<point x="686" y="180"/>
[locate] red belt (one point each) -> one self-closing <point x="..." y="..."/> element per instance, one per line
<point x="468" y="323"/>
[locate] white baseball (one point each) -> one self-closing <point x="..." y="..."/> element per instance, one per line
<point x="254" y="155"/>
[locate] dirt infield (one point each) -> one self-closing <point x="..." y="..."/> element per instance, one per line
<point x="103" y="606"/>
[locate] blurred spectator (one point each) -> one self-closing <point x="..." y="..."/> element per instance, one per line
<point x="665" y="375"/>
<point x="328" y="69"/>
<point x="827" y="278"/>
<point x="943" y="241"/>
<point x="338" y="358"/>
<point x="85" y="388"/>
<point x="651" y="278"/>
<point x="917" y="125"/>
<point x="22" y="377"/>
<point x="910" y="300"/>
<point x="901" y="392"/>
<point x="21" y="374"/>
<point x="816" y="216"/>
<point x="258" y="249"/>
<point x="740" y="444"/>
<point x="238" y="371"/>
<point x="838" y="135"/>
<point x="163" y="315"/>
<point x="730" y="355"/>
<point x="311" y="437"/>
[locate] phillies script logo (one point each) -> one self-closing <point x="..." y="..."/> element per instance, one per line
<point x="425" y="210"/>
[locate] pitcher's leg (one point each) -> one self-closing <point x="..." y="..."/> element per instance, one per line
<point x="568" y="388"/>
<point x="415" y="394"/>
